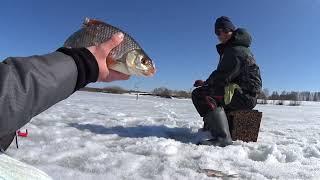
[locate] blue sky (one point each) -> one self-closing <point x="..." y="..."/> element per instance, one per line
<point x="178" y="35"/>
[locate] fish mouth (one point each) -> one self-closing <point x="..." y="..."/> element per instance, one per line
<point x="150" y="72"/>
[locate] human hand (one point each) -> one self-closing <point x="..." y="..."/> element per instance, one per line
<point x="100" y="52"/>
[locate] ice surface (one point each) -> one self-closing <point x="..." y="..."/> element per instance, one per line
<point x="104" y="136"/>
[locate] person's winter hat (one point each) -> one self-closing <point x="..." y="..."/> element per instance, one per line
<point x="224" y="23"/>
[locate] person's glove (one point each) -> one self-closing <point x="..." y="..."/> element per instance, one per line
<point x="198" y="83"/>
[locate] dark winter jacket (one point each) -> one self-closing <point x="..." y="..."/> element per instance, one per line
<point x="30" y="85"/>
<point x="237" y="65"/>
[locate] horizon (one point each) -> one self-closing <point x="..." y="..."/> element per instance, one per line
<point x="128" y="89"/>
<point x="179" y="36"/>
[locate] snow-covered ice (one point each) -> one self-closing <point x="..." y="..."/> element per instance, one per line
<point x="104" y="136"/>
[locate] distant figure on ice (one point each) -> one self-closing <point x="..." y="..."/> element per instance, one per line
<point x="234" y="85"/>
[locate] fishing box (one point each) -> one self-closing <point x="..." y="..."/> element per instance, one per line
<point x="244" y="125"/>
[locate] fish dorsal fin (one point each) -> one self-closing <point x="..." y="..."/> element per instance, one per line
<point x="89" y="22"/>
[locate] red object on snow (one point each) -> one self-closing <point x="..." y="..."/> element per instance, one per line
<point x="22" y="134"/>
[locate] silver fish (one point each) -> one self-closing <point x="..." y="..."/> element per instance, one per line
<point x="128" y="58"/>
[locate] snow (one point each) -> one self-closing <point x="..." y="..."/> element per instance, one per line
<point x="104" y="136"/>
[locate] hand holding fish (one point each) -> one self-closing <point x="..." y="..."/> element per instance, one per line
<point x="101" y="52"/>
<point x="126" y="58"/>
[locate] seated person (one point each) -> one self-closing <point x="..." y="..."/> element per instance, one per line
<point x="234" y="85"/>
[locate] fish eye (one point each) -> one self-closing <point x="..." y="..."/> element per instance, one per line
<point x="145" y="61"/>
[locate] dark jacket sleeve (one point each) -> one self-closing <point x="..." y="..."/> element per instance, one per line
<point x="227" y="70"/>
<point x="30" y="85"/>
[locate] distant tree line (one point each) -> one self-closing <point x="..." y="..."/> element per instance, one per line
<point x="161" y="91"/>
<point x="264" y="95"/>
<point x="167" y="93"/>
<point x="112" y="89"/>
<point x="291" y="96"/>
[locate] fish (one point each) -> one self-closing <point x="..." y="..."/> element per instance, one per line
<point x="127" y="58"/>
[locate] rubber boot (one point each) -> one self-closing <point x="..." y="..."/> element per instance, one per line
<point x="205" y="127"/>
<point x="219" y="128"/>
